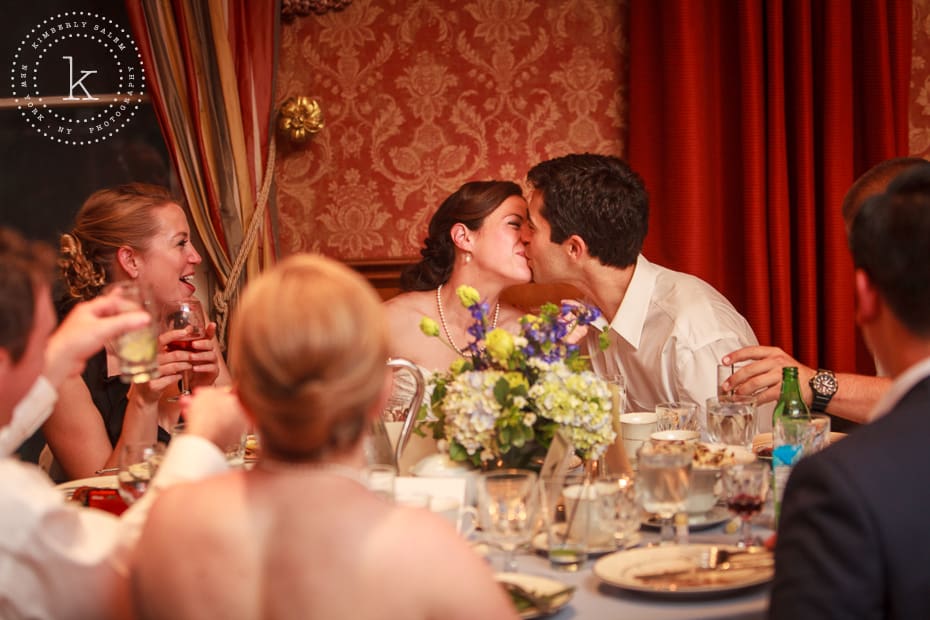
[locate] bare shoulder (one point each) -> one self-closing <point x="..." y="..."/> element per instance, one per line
<point x="404" y="312"/>
<point x="435" y="557"/>
<point x="406" y="303"/>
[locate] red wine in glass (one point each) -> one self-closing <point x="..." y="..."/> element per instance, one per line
<point x="183" y="345"/>
<point x="745" y="506"/>
<point x="185" y="314"/>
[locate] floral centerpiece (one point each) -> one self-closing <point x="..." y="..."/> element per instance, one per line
<point x="502" y="402"/>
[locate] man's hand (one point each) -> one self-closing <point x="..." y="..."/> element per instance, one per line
<point x="762" y="376"/>
<point x="84" y="332"/>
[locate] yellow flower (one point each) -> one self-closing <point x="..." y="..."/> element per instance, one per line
<point x="429" y="327"/>
<point x="458" y="365"/>
<point x="499" y="345"/>
<point x="467" y="295"/>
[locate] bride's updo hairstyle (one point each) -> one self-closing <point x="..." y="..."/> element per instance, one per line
<point x="308" y="351"/>
<point x="108" y="219"/>
<point x="469" y="205"/>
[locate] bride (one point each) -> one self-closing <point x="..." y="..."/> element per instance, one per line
<point x="475" y="238"/>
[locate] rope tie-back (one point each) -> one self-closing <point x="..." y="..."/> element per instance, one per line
<point x="221" y="299"/>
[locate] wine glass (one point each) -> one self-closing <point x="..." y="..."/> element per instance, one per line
<point x="744" y="488"/>
<point x="663" y="480"/>
<point x="731" y="420"/>
<point x="507" y="505"/>
<point x="138" y="463"/>
<point x="184" y="314"/>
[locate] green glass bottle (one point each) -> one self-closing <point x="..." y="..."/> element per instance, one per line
<point x="791" y="428"/>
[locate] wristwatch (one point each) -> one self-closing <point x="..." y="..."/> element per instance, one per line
<point x="823" y="385"/>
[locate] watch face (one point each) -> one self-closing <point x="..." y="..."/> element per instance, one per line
<point x="824" y="383"/>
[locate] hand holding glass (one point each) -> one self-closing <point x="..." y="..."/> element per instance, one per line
<point x="186" y="314"/>
<point x="137" y="350"/>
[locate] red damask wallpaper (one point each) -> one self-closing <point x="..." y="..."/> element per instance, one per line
<point x="420" y="96"/>
<point x="919" y="114"/>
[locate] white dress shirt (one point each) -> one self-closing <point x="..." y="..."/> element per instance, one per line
<point x="667" y="337"/>
<point x="61" y="560"/>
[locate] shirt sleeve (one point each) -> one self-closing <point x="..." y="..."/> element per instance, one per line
<point x="54" y="555"/>
<point x="28" y="415"/>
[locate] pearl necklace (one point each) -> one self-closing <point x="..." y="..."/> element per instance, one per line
<point x="445" y="329"/>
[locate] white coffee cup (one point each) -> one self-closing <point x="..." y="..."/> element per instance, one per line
<point x="638" y="425"/>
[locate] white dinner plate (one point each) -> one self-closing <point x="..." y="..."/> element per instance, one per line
<point x="541" y="544"/>
<point x="98" y="482"/>
<point x="538" y="585"/>
<point x="627" y="570"/>
<point x="697" y="522"/>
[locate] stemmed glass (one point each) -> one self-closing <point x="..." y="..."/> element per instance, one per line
<point x="744" y="488"/>
<point x="138" y="463"/>
<point x="184" y="314"/>
<point x="507" y="505"/>
<point x="663" y="480"/>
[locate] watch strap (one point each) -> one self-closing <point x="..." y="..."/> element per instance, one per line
<point x="820" y="402"/>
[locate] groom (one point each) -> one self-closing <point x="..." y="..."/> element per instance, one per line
<point x="588" y="216"/>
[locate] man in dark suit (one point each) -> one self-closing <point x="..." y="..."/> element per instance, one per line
<point x="853" y="538"/>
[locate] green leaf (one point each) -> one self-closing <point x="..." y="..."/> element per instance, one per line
<point x="457" y="452"/>
<point x="501" y="391"/>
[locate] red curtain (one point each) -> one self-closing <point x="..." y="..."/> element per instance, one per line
<point x="749" y="121"/>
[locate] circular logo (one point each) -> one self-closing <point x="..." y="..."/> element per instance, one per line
<point x="78" y="78"/>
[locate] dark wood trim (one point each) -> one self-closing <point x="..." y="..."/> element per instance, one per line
<point x="384" y="275"/>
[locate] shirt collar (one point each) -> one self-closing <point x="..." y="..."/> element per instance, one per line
<point x="901" y="386"/>
<point x="630" y="318"/>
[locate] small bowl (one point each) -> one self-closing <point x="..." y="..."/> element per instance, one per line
<point x="676" y="435"/>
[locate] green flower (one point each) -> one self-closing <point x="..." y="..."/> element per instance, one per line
<point x="499" y="345"/>
<point x="429" y="327"/>
<point x="467" y="295"/>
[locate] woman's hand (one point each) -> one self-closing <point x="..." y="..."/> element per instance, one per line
<point x="205" y="362"/>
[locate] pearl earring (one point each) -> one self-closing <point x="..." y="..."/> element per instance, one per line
<point x="467" y="257"/>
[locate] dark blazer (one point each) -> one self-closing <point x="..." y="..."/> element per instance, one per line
<point x="854" y="535"/>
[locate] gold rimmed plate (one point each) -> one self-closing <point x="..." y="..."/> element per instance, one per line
<point x="674" y="571"/>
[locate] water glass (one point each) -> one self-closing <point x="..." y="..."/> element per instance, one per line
<point x="138" y="463"/>
<point x="677" y="416"/>
<point x="380" y="479"/>
<point x="731" y="420"/>
<point x="568" y="505"/>
<point x="507" y="509"/>
<point x="620" y="513"/>
<point x="136" y="350"/>
<point x="663" y="480"/>
<point x="724" y="372"/>
<point x="821" y="431"/>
